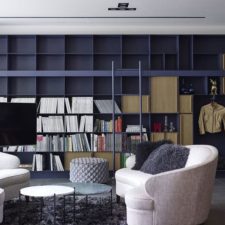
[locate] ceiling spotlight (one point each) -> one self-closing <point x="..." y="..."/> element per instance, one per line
<point x="123" y="6"/>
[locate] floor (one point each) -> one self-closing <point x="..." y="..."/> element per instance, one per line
<point x="217" y="213"/>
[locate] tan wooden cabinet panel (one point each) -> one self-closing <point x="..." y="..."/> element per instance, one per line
<point x="185" y="104"/>
<point x="186" y="129"/>
<point x="72" y="155"/>
<point x="109" y="157"/>
<point x="130" y="103"/>
<point x="223" y="86"/>
<point x="105" y="155"/>
<point x="164" y="94"/>
<point x="157" y="136"/>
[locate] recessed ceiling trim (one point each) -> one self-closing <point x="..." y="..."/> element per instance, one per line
<point x="107" y="17"/>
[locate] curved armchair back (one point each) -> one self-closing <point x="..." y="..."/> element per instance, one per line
<point x="183" y="196"/>
<point x="8" y="161"/>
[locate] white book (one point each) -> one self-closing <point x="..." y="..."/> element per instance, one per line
<point x="51" y="162"/>
<point x="34" y="162"/>
<point x="67" y="119"/>
<point x="12" y="148"/>
<point x="89" y="124"/>
<point x="68" y="108"/>
<point x="87" y="142"/>
<point x="23" y="100"/>
<point x="82" y="123"/>
<point x="3" y="99"/>
<point x="39" y="124"/>
<point x="60" y="105"/>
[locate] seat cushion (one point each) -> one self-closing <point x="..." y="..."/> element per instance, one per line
<point x="131" y="177"/>
<point x="137" y="198"/>
<point x="13" y="176"/>
<point x="165" y="158"/>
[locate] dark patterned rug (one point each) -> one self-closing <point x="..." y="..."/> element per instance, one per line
<point x="96" y="212"/>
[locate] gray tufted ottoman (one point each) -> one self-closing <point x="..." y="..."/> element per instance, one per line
<point x="89" y="170"/>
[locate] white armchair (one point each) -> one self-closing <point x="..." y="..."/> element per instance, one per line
<point x="181" y="196"/>
<point x="2" y="198"/>
<point x="12" y="178"/>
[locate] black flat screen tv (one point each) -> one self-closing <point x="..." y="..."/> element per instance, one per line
<point x="17" y="124"/>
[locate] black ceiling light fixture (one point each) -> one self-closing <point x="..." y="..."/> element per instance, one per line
<point x="123" y="6"/>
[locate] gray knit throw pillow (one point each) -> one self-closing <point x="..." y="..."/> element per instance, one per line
<point x="165" y="158"/>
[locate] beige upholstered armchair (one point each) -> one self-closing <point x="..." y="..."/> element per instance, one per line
<point x="177" y="197"/>
<point x="12" y="178"/>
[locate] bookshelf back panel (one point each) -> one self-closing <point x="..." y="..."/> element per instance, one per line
<point x="79" y="86"/>
<point x="22" y="86"/>
<point x="22" y="44"/>
<point x="3" y="86"/>
<point x="3" y="44"/>
<point x="51" y="86"/>
<point x="50" y="44"/>
<point x="79" y="44"/>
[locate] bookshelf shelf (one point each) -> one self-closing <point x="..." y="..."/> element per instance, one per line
<point x="81" y="66"/>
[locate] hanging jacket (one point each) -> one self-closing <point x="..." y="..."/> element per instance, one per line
<point x="211" y="118"/>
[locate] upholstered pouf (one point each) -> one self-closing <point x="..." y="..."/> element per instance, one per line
<point x="2" y="198"/>
<point x="89" y="170"/>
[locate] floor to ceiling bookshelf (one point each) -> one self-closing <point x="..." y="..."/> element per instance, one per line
<point x="146" y="68"/>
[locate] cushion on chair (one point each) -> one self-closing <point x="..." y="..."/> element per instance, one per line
<point x="165" y="158"/>
<point x="144" y="149"/>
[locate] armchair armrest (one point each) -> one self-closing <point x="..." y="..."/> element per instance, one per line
<point x="8" y="161"/>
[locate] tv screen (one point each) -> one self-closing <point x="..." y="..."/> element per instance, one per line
<point x="17" y="124"/>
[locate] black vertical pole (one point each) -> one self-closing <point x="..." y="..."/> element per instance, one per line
<point x="113" y="116"/>
<point x="140" y="100"/>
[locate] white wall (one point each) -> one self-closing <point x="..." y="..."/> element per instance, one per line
<point x="48" y="16"/>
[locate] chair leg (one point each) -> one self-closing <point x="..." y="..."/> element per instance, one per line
<point x="27" y="198"/>
<point x="117" y="199"/>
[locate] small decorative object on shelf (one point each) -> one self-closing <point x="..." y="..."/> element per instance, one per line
<point x="166" y="124"/>
<point x="171" y="127"/>
<point x="183" y="89"/>
<point x="191" y="90"/>
<point x="157" y="127"/>
<point x="213" y="87"/>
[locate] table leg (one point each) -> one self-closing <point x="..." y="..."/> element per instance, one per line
<point x="54" y="209"/>
<point x="20" y="208"/>
<point x="111" y="201"/>
<point x="42" y="203"/>
<point x="64" y="209"/>
<point x="74" y="206"/>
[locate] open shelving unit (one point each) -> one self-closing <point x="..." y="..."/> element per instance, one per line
<point x="81" y="65"/>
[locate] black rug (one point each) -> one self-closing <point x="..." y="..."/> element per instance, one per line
<point x="96" y="212"/>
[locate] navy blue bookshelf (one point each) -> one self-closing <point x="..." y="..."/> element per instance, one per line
<point x="81" y="65"/>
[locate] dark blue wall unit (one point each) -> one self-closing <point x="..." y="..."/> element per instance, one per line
<point x="81" y="65"/>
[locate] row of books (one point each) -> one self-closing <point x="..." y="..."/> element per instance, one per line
<point x="104" y="142"/>
<point x="106" y="106"/>
<point x="107" y="126"/>
<point x="50" y="124"/>
<point x="130" y="142"/>
<point x="24" y="148"/>
<point x="38" y="162"/>
<point x="51" y="105"/>
<point x="77" y="142"/>
<point x="56" y="124"/>
<point x="19" y="100"/>
<point x="135" y="128"/>
<point x="51" y="143"/>
<point x="86" y="124"/>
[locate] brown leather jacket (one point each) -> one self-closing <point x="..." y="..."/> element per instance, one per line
<point x="211" y="118"/>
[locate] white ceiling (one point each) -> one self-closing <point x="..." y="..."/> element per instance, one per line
<point x="93" y="17"/>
